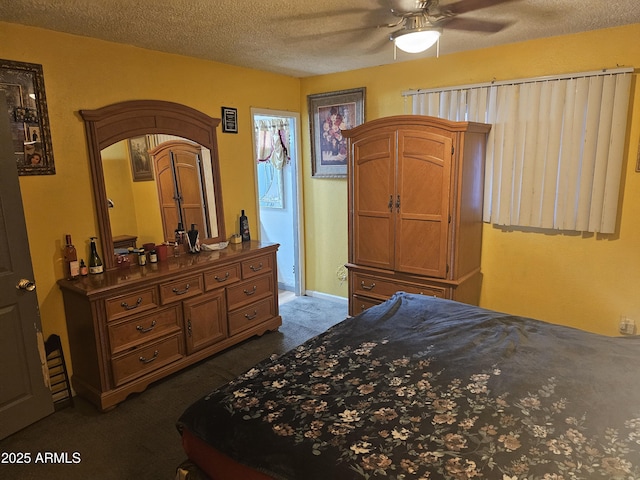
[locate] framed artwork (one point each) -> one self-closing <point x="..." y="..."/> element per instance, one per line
<point x="330" y="114"/>
<point x="229" y="120"/>
<point x="23" y="85"/>
<point x="141" y="165"/>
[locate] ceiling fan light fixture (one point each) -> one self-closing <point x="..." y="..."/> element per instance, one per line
<point x="416" y="40"/>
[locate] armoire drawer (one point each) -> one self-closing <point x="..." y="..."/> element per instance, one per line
<point x="178" y="290"/>
<point x="132" y="332"/>
<point x="374" y="286"/>
<point x="251" y="315"/>
<point x="360" y="304"/>
<point x="131" y="303"/>
<point x="146" y="359"/>
<point x="221" y="277"/>
<point x="250" y="291"/>
<point x="257" y="266"/>
<point x="430" y="290"/>
<point x="383" y="288"/>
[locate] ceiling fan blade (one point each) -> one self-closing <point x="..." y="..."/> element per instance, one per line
<point x="471" y="25"/>
<point x="464" y="6"/>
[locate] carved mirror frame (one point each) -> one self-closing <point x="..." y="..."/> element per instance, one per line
<point x="120" y="121"/>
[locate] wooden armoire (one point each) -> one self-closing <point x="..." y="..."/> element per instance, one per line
<point x="178" y="169"/>
<point x="415" y="209"/>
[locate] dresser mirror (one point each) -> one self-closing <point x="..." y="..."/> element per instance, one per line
<point x="125" y="191"/>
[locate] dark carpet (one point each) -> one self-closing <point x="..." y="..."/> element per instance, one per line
<point x="138" y="439"/>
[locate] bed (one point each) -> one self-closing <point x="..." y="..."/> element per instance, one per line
<point x="425" y="388"/>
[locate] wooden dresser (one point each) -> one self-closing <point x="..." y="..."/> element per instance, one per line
<point x="132" y="326"/>
<point x="415" y="209"/>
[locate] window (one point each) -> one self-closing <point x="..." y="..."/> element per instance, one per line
<point x="555" y="150"/>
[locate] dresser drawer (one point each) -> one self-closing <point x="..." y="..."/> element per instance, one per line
<point x="131" y="303"/>
<point x="251" y="315"/>
<point x="257" y="266"/>
<point x="147" y="359"/>
<point x="383" y="288"/>
<point x="221" y="277"/>
<point x="130" y="333"/>
<point x="248" y="292"/>
<point x="180" y="289"/>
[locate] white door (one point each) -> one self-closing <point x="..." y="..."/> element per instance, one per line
<point x="24" y="394"/>
<point x="278" y="178"/>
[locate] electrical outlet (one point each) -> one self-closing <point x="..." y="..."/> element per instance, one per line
<point x="627" y="325"/>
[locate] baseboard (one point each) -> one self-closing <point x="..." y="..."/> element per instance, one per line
<point x="327" y="296"/>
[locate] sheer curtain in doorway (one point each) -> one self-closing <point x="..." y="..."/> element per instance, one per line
<point x="273" y="146"/>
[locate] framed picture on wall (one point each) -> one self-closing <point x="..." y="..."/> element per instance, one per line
<point x="141" y="165"/>
<point x="229" y="120"/>
<point x="330" y="114"/>
<point x="23" y="86"/>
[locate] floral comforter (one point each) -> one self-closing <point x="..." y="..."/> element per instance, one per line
<point x="425" y="388"/>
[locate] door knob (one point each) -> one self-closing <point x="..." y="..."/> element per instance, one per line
<point x="25" y="284"/>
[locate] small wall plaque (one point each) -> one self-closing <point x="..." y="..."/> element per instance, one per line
<point x="229" y="120"/>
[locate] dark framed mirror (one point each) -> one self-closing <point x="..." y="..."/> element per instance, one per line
<point x="124" y="124"/>
<point x="23" y="84"/>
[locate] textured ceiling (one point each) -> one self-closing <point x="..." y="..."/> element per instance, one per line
<point x="301" y="37"/>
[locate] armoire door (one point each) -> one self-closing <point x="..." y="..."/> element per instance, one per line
<point x="373" y="170"/>
<point x="422" y="205"/>
<point x="178" y="175"/>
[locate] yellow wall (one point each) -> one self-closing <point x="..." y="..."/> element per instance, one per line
<point x="83" y="73"/>
<point x="584" y="281"/>
<point x="115" y="165"/>
<point x="130" y="214"/>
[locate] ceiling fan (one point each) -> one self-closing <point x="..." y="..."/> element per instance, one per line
<point x="422" y="21"/>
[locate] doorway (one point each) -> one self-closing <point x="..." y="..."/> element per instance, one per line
<point x="279" y="197"/>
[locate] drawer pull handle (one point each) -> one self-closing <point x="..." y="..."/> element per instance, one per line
<point x="256" y="269"/>
<point x="222" y="279"/>
<point x="126" y="306"/>
<point x="140" y="328"/>
<point x="251" y="317"/>
<point x="189" y="328"/>
<point x="250" y="292"/>
<point x="149" y="360"/>
<point x="181" y="292"/>
<point x="367" y="287"/>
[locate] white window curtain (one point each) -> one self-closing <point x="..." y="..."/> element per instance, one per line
<point x="555" y="150"/>
<point x="272" y="153"/>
